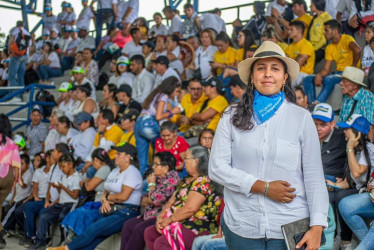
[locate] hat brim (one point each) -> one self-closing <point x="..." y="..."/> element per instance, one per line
<point x="63" y="90"/>
<point x="322" y="118"/>
<point x="359" y="83"/>
<point x="343" y="125"/>
<point x="244" y="67"/>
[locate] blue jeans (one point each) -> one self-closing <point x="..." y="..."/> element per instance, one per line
<point x="102" y="229"/>
<point x="354" y="209"/>
<point x="328" y="85"/>
<point x="234" y="241"/>
<point x="101" y="16"/>
<point x="45" y="72"/>
<point x="67" y="62"/>
<point x="206" y="242"/>
<point x="17" y="67"/>
<point x="146" y="130"/>
<point x="31" y="210"/>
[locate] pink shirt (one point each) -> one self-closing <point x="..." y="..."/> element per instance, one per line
<point x="121" y="40"/>
<point x="9" y="156"/>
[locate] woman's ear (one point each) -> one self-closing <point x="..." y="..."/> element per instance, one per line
<point x="286" y="77"/>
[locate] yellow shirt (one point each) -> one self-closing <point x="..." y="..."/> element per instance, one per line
<point x="219" y="104"/>
<point x="228" y="57"/>
<point x="306" y="19"/>
<point x="114" y="134"/>
<point x="303" y="47"/>
<point x="316" y="31"/>
<point x="239" y="55"/>
<point x="340" y="52"/>
<point x="283" y="46"/>
<point x="125" y="138"/>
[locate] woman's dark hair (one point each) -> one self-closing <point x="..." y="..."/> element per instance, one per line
<point x="65" y="120"/>
<point x="5" y="128"/>
<point x="157" y="14"/>
<point x="242" y="118"/>
<point x="67" y="158"/>
<point x="103" y="156"/>
<point x="202" y="154"/>
<point x="86" y="88"/>
<point x="205" y="130"/>
<point x="167" y="87"/>
<point x="112" y="88"/>
<point x="119" y="72"/>
<point x="43" y="161"/>
<point x="25" y="158"/>
<point x="50" y="46"/>
<point x="5" y="51"/>
<point x="48" y="153"/>
<point x="222" y="36"/>
<point x="166" y="158"/>
<point x="64" y="148"/>
<point x="110" y="30"/>
<point x="249" y="40"/>
<point x="168" y="125"/>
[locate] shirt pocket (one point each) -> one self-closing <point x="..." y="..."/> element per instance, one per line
<point x="287" y="155"/>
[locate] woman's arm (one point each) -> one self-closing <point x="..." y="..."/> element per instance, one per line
<point x="72" y="193"/>
<point x="356" y="169"/>
<point x="35" y="189"/>
<point x="89" y="106"/>
<point x="121" y="197"/>
<point x="91" y="184"/>
<point x="160" y="115"/>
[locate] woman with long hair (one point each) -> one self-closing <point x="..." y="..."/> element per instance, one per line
<point x="147" y="127"/>
<point x="49" y="66"/>
<point x="65" y="129"/>
<point x="266" y="155"/>
<point x="245" y="40"/>
<point x="109" y="99"/>
<point x="87" y="103"/>
<point x="205" y="53"/>
<point x="225" y="56"/>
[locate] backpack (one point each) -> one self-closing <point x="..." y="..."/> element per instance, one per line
<point x="45" y="96"/>
<point x="19" y="46"/>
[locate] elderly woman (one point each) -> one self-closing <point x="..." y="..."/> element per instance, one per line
<point x="266" y="154"/>
<point x="194" y="205"/>
<point x="161" y="186"/>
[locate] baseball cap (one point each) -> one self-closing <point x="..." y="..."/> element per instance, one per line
<point x="37" y="108"/>
<point x="162" y="60"/>
<point x="20" y="23"/>
<point x="357" y="122"/>
<point x="149" y="44"/>
<point x="65" y="87"/>
<point x="126" y="148"/>
<point x="129" y="114"/>
<point x="68" y="29"/>
<point x="46" y="32"/>
<point x="47" y="7"/>
<point x="123" y="60"/>
<point x="19" y="141"/>
<point x="214" y="82"/>
<point x="125" y="88"/>
<point x="77" y="69"/>
<point x="82" y="117"/>
<point x="323" y="112"/>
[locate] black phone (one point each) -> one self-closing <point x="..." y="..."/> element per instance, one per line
<point x="211" y="61"/>
<point x="298" y="237"/>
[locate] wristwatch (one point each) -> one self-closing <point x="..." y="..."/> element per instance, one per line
<point x="101" y="133"/>
<point x="350" y="150"/>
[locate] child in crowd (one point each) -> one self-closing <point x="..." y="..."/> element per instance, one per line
<point x="38" y="161"/>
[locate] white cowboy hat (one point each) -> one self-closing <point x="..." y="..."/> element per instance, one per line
<point x="266" y="50"/>
<point x="353" y="74"/>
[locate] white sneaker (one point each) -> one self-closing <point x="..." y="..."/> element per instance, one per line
<point x="347" y="246"/>
<point x="15" y="99"/>
<point x="337" y="242"/>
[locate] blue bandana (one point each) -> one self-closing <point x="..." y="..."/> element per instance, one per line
<point x="266" y="106"/>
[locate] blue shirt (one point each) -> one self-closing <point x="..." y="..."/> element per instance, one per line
<point x="36" y="135"/>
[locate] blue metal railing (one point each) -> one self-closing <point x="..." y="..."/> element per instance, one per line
<point x="24" y="105"/>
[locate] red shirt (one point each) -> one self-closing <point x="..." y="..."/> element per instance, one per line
<point x="121" y="40"/>
<point x="180" y="146"/>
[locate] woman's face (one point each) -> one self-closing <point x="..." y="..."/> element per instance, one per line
<point x="268" y="76"/>
<point x="158" y="19"/>
<point x="46" y="48"/>
<point x="222" y="46"/>
<point x="191" y="163"/>
<point x="66" y="167"/>
<point x="96" y="163"/>
<point x="81" y="95"/>
<point x="121" y="158"/>
<point x="53" y="120"/>
<point x="122" y="68"/>
<point x="84" y="125"/>
<point x="205" y="39"/>
<point x="106" y="94"/>
<point x="160" y="44"/>
<point x="113" y="65"/>
<point x="37" y="161"/>
<point x="168" y="136"/>
<point x="347" y="133"/>
<point x="176" y="92"/>
<point x="369" y="34"/>
<point x="126" y="125"/>
<point x="158" y="169"/>
<point x="206" y="140"/>
<point x="207" y="90"/>
<point x="241" y="39"/>
<point x="61" y="128"/>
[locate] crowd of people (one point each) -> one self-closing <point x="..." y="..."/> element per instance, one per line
<point x="184" y="99"/>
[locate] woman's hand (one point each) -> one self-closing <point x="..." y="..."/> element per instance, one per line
<point x="281" y="191"/>
<point x="151" y="178"/>
<point x="312" y="238"/>
<point x="176" y="110"/>
<point x="353" y="140"/>
<point x="105" y="207"/>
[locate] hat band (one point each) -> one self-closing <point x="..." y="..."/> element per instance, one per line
<point x="267" y="53"/>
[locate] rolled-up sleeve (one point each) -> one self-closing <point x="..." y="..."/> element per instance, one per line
<point x="220" y="163"/>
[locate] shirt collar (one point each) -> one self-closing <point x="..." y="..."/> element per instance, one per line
<point x="109" y="127"/>
<point x="329" y="137"/>
<point x="359" y="94"/>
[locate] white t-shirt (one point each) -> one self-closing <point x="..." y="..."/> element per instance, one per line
<point x="122" y="7"/>
<point x="55" y="61"/>
<point x="22" y="193"/>
<point x="114" y="79"/>
<point x="361" y="181"/>
<point x="131" y="177"/>
<point x="212" y="21"/>
<point x="49" y="21"/>
<point x="331" y="7"/>
<point x="64" y="106"/>
<point x="169" y="72"/>
<point x="278" y="7"/>
<point x="83" y="143"/>
<point x="127" y="78"/>
<point x="93" y="88"/>
<point x="63" y="44"/>
<point x="70" y="134"/>
<point x="344" y="7"/>
<point x="176" y="25"/>
<point x="15" y="31"/>
<point x="177" y="64"/>
<point x="163" y="30"/>
<point x="42" y="179"/>
<point x="132" y="49"/>
<point x="71" y="108"/>
<point x="56" y="176"/>
<point x="71" y="183"/>
<point x="205" y="57"/>
<point x="102" y="173"/>
<point x="84" y="18"/>
<point x="106" y="4"/>
<point x="367" y="58"/>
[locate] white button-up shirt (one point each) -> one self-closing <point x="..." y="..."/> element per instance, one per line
<point x="286" y="147"/>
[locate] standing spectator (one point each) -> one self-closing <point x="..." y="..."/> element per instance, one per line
<point x="133" y="47"/>
<point x="144" y="81"/>
<point x="226" y="54"/>
<point x="130" y="10"/>
<point x="10" y="166"/>
<point x="189" y="28"/>
<point x="109" y="99"/>
<point x="19" y="56"/>
<point x="68" y="19"/>
<point x="257" y="23"/>
<point x="49" y="66"/>
<point x="48" y="19"/>
<point x="126" y="77"/>
<point x="368" y="54"/>
<point x="212" y="21"/>
<point x="37" y="131"/>
<point x="86" y="41"/>
<point x="205" y="53"/>
<point x="356" y="99"/>
<point x="85" y="16"/>
<point x="161" y="66"/>
<point x="90" y="66"/>
<point x="106" y="13"/>
<point x="124" y="97"/>
<point x="68" y="56"/>
<point x="159" y="29"/>
<point x="176" y="22"/>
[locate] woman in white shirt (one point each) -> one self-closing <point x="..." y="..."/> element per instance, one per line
<point x="266" y="154"/>
<point x="123" y="66"/>
<point x="64" y="128"/>
<point x="205" y="53"/>
<point x="49" y="66"/>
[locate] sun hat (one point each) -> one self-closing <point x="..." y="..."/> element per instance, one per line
<point x="353" y="74"/>
<point x="268" y="49"/>
<point x="323" y="112"/>
<point x="358" y="122"/>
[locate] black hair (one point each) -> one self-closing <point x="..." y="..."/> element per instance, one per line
<point x="248" y="41"/>
<point x="167" y="87"/>
<point x="103" y="156"/>
<point x="6" y="52"/>
<point x="243" y="114"/>
<point x="167" y="9"/>
<point x="107" y="114"/>
<point x="319" y="4"/>
<point x="5" y="128"/>
<point x="86" y="88"/>
<point x="236" y="81"/>
<point x="334" y="24"/>
<point x="67" y="158"/>
<point x="188" y="6"/>
<point x="110" y="30"/>
<point x="205" y="130"/>
<point x="167" y="158"/>
<point x="64" y="119"/>
<point x="298" y="88"/>
<point x="175" y="38"/>
<point x="168" y="125"/>
<point x="299" y="25"/>
<point x="371" y="40"/>
<point x="43" y="161"/>
<point x="134" y="30"/>
<point x="64" y="148"/>
<point x="48" y="153"/>
<point x="50" y="46"/>
<point x="300" y="2"/>
<point x="88" y="49"/>
<point x="222" y="36"/>
<point x="25" y="158"/>
<point x="157" y="14"/>
<point x="139" y="59"/>
<point x="112" y="88"/>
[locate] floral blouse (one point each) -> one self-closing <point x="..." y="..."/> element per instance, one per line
<point x="180" y="146"/>
<point x="206" y="218"/>
<point x="92" y="71"/>
<point x="165" y="187"/>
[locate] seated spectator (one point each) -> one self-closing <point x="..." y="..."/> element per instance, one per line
<point x="257" y="23"/>
<point x="188" y="27"/>
<point x="69" y="194"/>
<point x="78" y="60"/>
<point x="356" y="99"/>
<point x="188" y="205"/>
<point x="53" y="136"/>
<point x="176" y="22"/>
<point x="80" y="79"/>
<point x="300" y="8"/>
<point x="163" y="71"/>
<point x="87" y="103"/>
<point x="64" y="41"/>
<point x="211" y="20"/>
<point x="39" y="160"/>
<point x="245" y="41"/>
<point x="173" y="143"/>
<point x="49" y="66"/>
<point x="213" y="89"/>
<point x="123" y="187"/>
<point x="302" y="99"/>
<point x="74" y="104"/>
<point x="225" y="56"/>
<point x="90" y="66"/>
<point x="126" y="121"/>
<point x="64" y="100"/>
<point x="147" y="49"/>
<point x="124" y="97"/>
<point x="84" y="140"/>
<point x="144" y="81"/>
<point x="349" y="55"/>
<point x="370" y="78"/>
<point x="64" y="128"/>
<point x="20" y="141"/>
<point x="113" y="68"/>
<point x="205" y="53"/>
<point x="154" y="110"/>
<point x="159" y="28"/>
<point x="206" y="138"/>
<point x="37" y="131"/>
<point x="123" y="65"/>
<point x="160" y="49"/>
<point x="105" y="43"/>
<point x="162" y="183"/>
<point x="360" y="10"/>
<point x="359" y="150"/>
<point x="78" y="220"/>
<point x="237" y="87"/>
<point x="68" y="57"/>
<point x="133" y="47"/>
<point x="269" y="34"/>
<point x="194" y="42"/>
<point x="301" y="50"/>
<point x="86" y="41"/>
<point x="54" y="39"/>
<point x="109" y="99"/>
<point x="368" y="54"/>
<point x="276" y="8"/>
<point x="332" y="140"/>
<point x="174" y="54"/>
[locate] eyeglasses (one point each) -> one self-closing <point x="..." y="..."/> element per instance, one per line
<point x="156" y="164"/>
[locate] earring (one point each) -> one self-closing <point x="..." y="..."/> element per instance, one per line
<point x="283" y="87"/>
<point x="253" y="86"/>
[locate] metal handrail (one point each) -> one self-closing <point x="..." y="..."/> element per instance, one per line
<point x="24" y="105"/>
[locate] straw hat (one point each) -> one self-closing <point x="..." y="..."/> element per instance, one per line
<point x="266" y="50"/>
<point x="353" y="74"/>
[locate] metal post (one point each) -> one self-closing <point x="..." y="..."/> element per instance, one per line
<point x="24" y="14"/>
